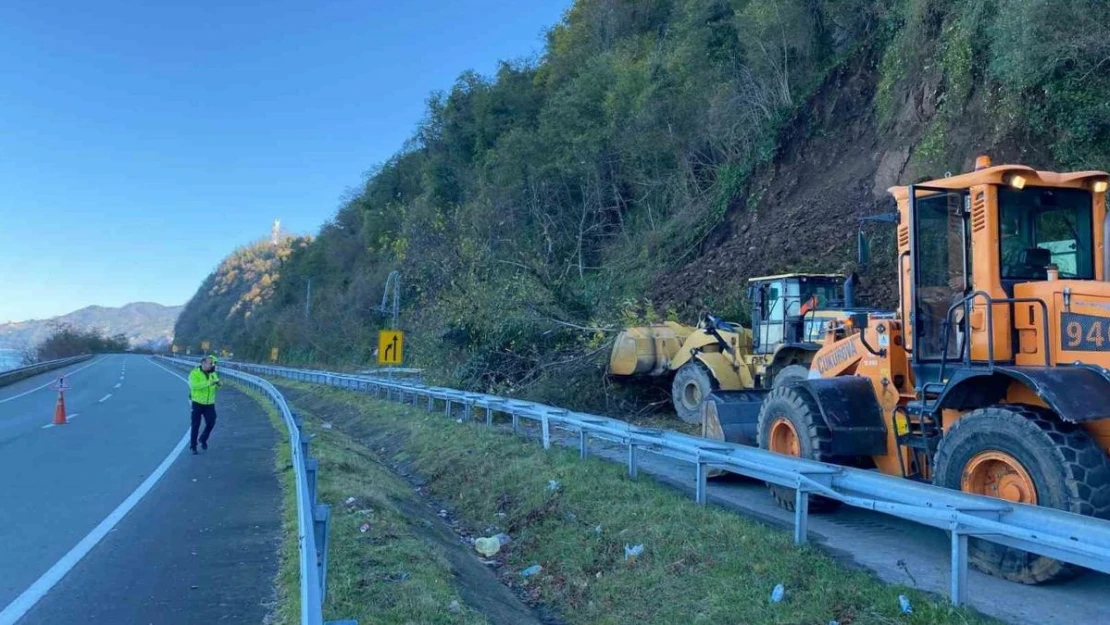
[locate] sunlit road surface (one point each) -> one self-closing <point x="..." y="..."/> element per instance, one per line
<point x="106" y="520"/>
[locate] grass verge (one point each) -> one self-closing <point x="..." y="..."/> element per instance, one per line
<point x="699" y="565"/>
<point x="387" y="574"/>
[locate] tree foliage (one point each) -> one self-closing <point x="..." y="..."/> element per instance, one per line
<point x="221" y="309"/>
<point x="532" y="209"/>
<point x="66" y="341"/>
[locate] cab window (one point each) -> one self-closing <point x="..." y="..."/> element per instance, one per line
<point x="1041" y="226"/>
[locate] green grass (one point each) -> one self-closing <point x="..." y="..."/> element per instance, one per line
<point x="385" y="575"/>
<point x="700" y="565"/>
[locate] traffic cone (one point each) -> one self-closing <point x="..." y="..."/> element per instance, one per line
<point x="60" y="410"/>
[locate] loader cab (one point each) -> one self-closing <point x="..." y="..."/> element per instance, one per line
<point x="988" y="262"/>
<point x="793" y="308"/>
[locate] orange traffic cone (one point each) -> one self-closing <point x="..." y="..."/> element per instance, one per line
<point x="60" y="410"/>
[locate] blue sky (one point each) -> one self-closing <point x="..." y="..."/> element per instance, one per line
<point x="139" y="144"/>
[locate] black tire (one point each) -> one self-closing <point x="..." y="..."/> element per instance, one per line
<point x="1067" y="467"/>
<point x="789" y="374"/>
<point x="689" y="390"/>
<point x="814" y="438"/>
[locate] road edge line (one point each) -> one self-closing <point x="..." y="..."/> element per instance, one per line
<point x="39" y="388"/>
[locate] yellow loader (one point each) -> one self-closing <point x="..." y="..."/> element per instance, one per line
<point x="789" y="314"/>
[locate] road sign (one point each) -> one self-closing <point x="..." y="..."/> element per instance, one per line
<point x="391" y="347"/>
<point x="204" y="345"/>
<point x="273" y="354"/>
<point x="175" y="349"/>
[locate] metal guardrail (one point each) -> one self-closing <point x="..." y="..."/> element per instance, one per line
<point x="313" y="518"/>
<point x="1073" y="538"/>
<point x="14" y="375"/>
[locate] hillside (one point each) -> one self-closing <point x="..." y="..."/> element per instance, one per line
<point x="143" y="323"/>
<point x="221" y="310"/>
<point x="658" y="155"/>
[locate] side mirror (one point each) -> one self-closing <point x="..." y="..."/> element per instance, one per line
<point x="864" y="245"/>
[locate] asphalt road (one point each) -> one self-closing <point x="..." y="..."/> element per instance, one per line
<point x="174" y="538"/>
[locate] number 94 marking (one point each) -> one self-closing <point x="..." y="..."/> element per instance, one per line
<point x="1085" y="333"/>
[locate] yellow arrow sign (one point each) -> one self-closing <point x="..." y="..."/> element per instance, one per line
<point x="391" y="347"/>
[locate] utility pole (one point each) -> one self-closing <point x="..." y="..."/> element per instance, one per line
<point x="308" y="299"/>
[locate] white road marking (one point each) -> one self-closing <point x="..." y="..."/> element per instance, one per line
<point x="69" y="417"/>
<point x="39" y="388"/>
<point x="28" y="598"/>
<point x="105" y="398"/>
<point x="117" y="385"/>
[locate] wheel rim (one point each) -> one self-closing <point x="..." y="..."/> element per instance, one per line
<point x="691" y="395"/>
<point x="998" y="474"/>
<point x="784" y="438"/>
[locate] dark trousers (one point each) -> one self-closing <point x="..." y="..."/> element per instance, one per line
<point x="208" y="411"/>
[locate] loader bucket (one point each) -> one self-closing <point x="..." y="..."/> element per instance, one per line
<point x="647" y="350"/>
<point x="732" y="416"/>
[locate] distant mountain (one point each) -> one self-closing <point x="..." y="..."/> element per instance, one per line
<point x="144" y="324"/>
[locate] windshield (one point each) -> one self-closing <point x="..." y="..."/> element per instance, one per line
<point x="825" y="294"/>
<point x="1040" y="226"/>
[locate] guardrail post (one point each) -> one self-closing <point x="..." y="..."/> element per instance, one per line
<point x="633" y="470"/>
<point x="516" y="421"/>
<point x="546" y="426"/>
<point x="321" y="520"/>
<point x="801" y="516"/>
<point x="311" y="467"/>
<point x="447" y="407"/>
<point x="431" y="403"/>
<point x="489" y="417"/>
<point x="304" y="446"/>
<point x="467" y="406"/>
<point x="583" y="439"/>
<point x="958" y="591"/>
<point x="700" y="495"/>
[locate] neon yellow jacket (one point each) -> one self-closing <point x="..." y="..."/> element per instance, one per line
<point x="202" y="386"/>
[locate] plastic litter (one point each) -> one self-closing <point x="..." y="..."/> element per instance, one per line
<point x="487" y="546"/>
<point x="365" y="527"/>
<point x="458" y="420"/>
<point x="904" y="602"/>
<point x="350" y="500"/>
<point x="778" y="593"/>
<point x="326" y="426"/>
<point x="532" y="570"/>
<point x="598" y="530"/>
<point x="631" y="553"/>
<point x="503" y="539"/>
<point x="455" y="607"/>
<point x="552" y="485"/>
